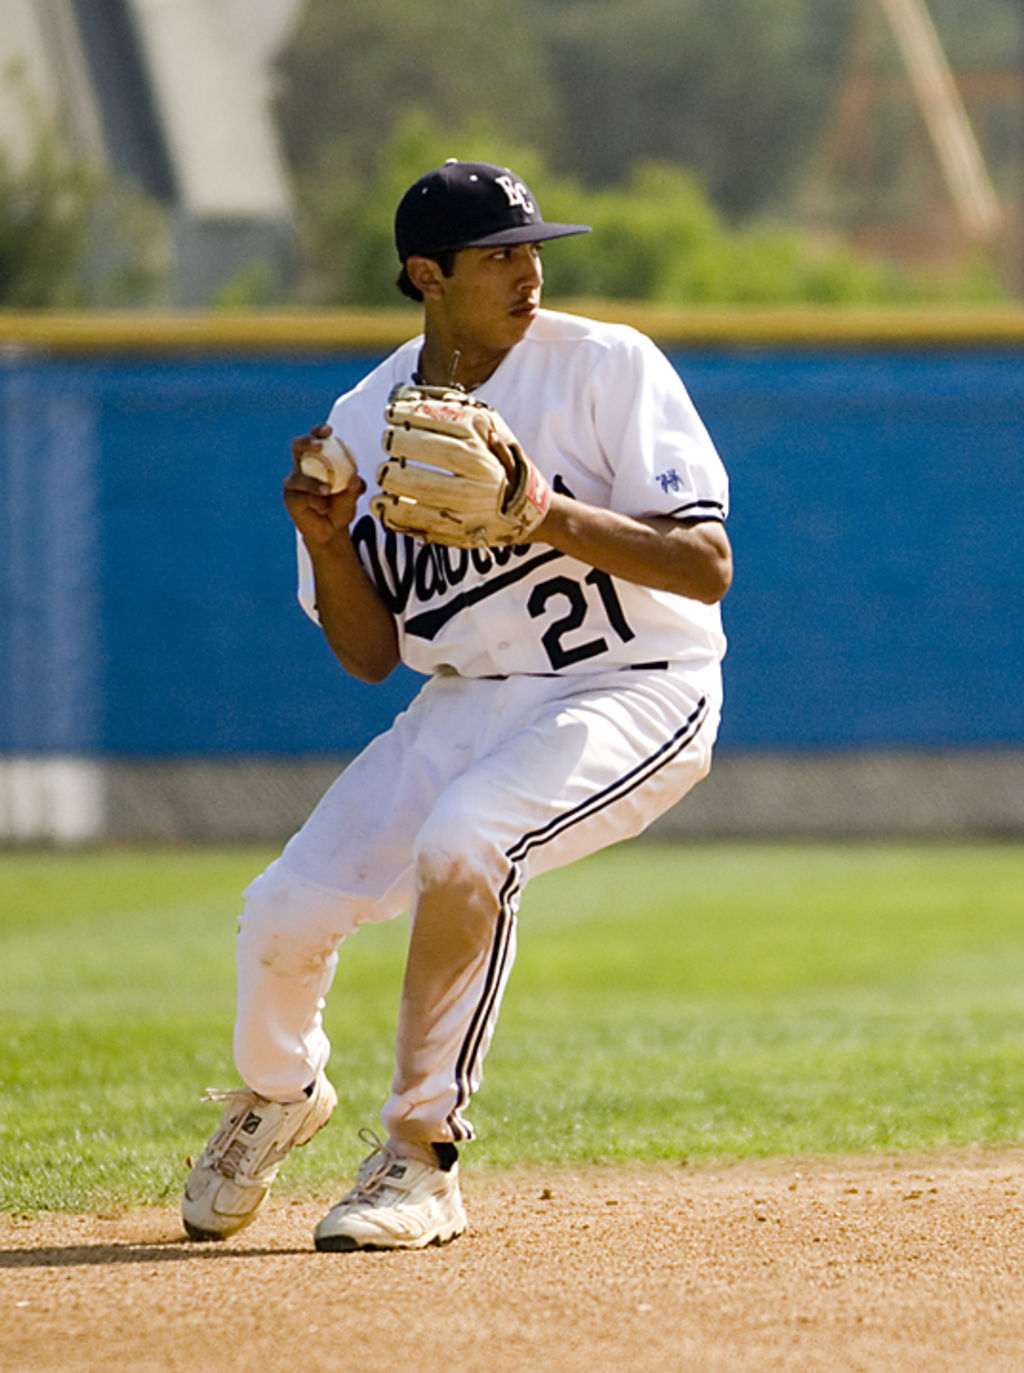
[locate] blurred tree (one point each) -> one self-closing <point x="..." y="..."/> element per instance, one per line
<point x="351" y="71"/>
<point x="69" y="236"/>
<point x="736" y="91"/>
<point x="45" y="209"/>
<point x="722" y="89"/>
<point x="657" y="237"/>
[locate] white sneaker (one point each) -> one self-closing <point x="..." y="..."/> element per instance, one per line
<point x="397" y="1203"/>
<point x="230" y="1182"/>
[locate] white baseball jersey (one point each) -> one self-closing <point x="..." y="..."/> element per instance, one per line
<point x="603" y="414"/>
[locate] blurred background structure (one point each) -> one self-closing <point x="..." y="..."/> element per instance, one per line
<point x="819" y="217"/>
<point x="171" y="100"/>
<point x="950" y="204"/>
<point x="234" y="152"/>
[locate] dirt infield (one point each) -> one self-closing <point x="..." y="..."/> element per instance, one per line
<point x="882" y="1264"/>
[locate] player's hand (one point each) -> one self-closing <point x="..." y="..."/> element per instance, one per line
<point x="317" y="514"/>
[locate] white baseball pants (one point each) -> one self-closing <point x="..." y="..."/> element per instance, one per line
<point x="479" y="785"/>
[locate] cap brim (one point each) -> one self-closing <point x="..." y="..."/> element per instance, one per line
<point x="525" y="233"/>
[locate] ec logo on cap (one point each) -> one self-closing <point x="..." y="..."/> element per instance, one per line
<point x="517" y="193"/>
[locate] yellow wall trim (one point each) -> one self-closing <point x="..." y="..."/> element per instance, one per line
<point x="375" y="330"/>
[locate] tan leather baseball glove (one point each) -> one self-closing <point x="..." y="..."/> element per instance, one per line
<point x="444" y="481"/>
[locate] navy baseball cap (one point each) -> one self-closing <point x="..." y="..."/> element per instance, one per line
<point x="470" y="205"/>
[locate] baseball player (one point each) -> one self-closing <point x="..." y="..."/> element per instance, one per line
<point x="541" y="533"/>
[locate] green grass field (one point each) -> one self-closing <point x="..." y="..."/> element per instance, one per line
<point x="701" y="1002"/>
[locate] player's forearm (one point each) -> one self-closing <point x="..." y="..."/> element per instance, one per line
<point x="357" y="624"/>
<point x="693" y="561"/>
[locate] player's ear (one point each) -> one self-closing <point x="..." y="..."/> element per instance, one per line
<point x="426" y="275"/>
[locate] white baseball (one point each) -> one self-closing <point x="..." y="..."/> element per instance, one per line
<point x="333" y="464"/>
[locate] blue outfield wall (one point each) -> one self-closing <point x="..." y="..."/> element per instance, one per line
<point x="147" y="566"/>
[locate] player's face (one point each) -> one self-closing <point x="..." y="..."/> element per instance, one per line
<point x="492" y="296"/>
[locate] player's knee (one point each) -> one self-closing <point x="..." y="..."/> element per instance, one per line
<point x="282" y="911"/>
<point x="440" y="869"/>
<point x="455" y="903"/>
<point x="451" y="859"/>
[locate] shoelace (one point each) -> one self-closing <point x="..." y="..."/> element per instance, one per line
<point x="228" y="1153"/>
<point x="370" y="1180"/>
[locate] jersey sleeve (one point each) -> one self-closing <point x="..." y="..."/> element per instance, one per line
<point x="655" y="443"/>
